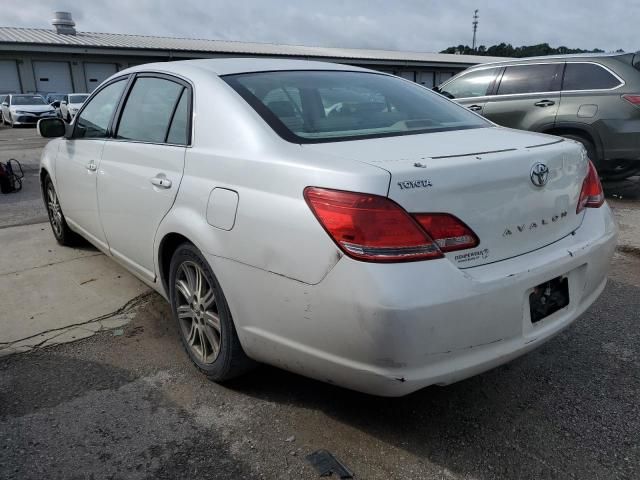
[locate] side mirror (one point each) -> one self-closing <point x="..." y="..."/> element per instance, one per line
<point x="5" y="104"/>
<point x="55" y="104"/>
<point x="51" y="127"/>
<point x="63" y="102"/>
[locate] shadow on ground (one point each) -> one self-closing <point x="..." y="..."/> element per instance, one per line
<point x="567" y="410"/>
<point x="628" y="189"/>
<point x="132" y="406"/>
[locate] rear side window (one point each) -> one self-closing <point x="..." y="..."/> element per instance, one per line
<point x="149" y="110"/>
<point x="636" y="61"/>
<point x="95" y="117"/>
<point x="179" y="130"/>
<point x="588" y="76"/>
<point x="530" y="79"/>
<point x="472" y="84"/>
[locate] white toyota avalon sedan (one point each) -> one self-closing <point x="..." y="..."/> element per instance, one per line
<point x="341" y="223"/>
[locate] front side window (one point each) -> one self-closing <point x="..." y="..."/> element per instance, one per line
<point x="324" y="106"/>
<point x="149" y="110"/>
<point x="529" y="79"/>
<point x="469" y="85"/>
<point x="588" y="76"/>
<point x="27" y="100"/>
<point x="94" y="119"/>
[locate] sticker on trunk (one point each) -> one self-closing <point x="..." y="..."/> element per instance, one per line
<point x="472" y="256"/>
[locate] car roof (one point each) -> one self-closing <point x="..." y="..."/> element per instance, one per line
<point x="579" y="56"/>
<point x="230" y="66"/>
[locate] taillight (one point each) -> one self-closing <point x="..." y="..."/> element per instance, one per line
<point x="632" y="99"/>
<point x="447" y="231"/>
<point x="376" y="229"/>
<point x="592" y="195"/>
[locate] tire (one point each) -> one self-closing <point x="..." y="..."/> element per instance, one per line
<point x="61" y="231"/>
<point x="202" y="316"/>
<point x="587" y="144"/>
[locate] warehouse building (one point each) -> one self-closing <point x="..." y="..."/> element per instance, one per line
<point x="64" y="60"/>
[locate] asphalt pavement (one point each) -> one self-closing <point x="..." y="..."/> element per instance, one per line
<point x="125" y="402"/>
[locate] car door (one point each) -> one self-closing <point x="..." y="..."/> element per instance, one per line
<point x="471" y="88"/>
<point x="142" y="167"/>
<point x="78" y="161"/>
<point x="527" y="96"/>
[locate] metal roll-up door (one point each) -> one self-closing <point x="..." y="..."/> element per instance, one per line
<point x="408" y="75"/>
<point x="426" y="79"/>
<point x="96" y="73"/>
<point x="9" y="78"/>
<point x="53" y="77"/>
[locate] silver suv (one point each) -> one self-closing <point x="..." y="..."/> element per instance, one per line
<point x="592" y="98"/>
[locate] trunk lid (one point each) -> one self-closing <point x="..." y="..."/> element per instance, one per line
<point x="483" y="177"/>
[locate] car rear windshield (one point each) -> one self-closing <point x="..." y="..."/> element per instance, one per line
<point x="328" y="106"/>
<point x="77" y="98"/>
<point x="27" y="100"/>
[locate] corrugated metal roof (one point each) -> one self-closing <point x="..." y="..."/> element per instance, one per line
<point x="41" y="36"/>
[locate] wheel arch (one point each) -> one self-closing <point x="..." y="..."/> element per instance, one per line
<point x="166" y="248"/>
<point x="582" y="130"/>
<point x="44" y="173"/>
<point x="47" y="163"/>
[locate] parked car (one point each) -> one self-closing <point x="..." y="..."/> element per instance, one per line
<point x="25" y="109"/>
<point x="383" y="250"/>
<point x="70" y="105"/>
<point x="591" y="98"/>
<point x="54" y="100"/>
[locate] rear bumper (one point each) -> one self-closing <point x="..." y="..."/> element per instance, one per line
<point x="393" y="329"/>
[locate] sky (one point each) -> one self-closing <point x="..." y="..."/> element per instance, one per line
<point x="410" y="25"/>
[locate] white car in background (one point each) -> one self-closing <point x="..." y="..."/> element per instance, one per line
<point x="70" y="105"/>
<point x="396" y="242"/>
<point x="22" y="109"/>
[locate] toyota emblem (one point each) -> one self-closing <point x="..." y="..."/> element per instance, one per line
<point x="539" y="174"/>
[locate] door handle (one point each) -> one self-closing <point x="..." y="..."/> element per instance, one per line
<point x="475" y="108"/>
<point x="91" y="166"/>
<point x="544" y="103"/>
<point x="161" y="181"/>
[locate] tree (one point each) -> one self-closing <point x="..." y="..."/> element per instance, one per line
<point x="508" y="50"/>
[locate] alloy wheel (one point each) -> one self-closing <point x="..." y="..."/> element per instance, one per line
<point x="197" y="311"/>
<point x="55" y="213"/>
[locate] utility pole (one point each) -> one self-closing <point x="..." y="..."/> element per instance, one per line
<point x="475" y="28"/>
